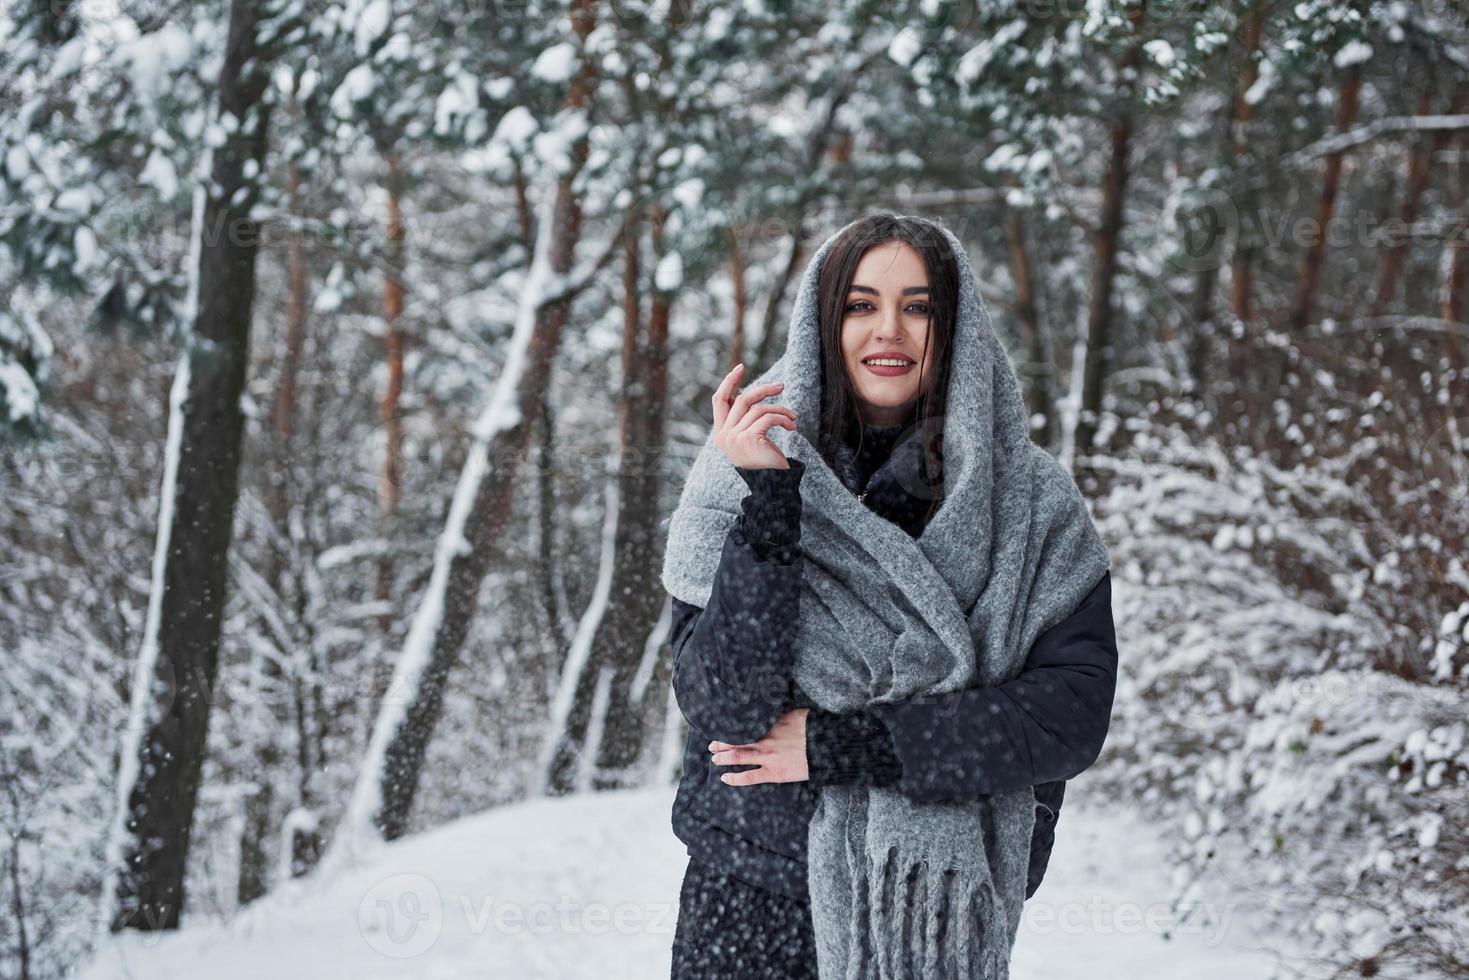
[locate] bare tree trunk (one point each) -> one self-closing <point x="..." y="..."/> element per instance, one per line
<point x="1308" y="279"/>
<point x="737" y="276"/>
<point x="1456" y="278"/>
<point x="1205" y="313"/>
<point x="1420" y="161"/>
<point x="254" y="878"/>
<point x="310" y="746"/>
<point x="1040" y="374"/>
<point x="390" y="486"/>
<point x="840" y="150"/>
<point x="768" y="335"/>
<point x="651" y="690"/>
<point x="161" y="773"/>
<point x="284" y="413"/>
<point x="1104" y="278"/>
<point x="549" y="583"/>
<point x="523" y="207"/>
<point x="18" y="911"/>
<point x="1104" y="275"/>
<point x="1248" y="245"/>
<point x="551" y="607"/>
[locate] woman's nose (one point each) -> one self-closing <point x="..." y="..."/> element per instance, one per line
<point x="891" y="329"/>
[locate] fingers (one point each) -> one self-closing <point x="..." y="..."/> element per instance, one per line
<point x="745" y="406"/>
<point x="718" y="746"/>
<point x="771" y="760"/>
<point x="737" y="757"/>
<point x="730" y="409"/>
<point x="753" y="419"/>
<point x="747" y="778"/>
<point x="760" y="431"/>
<point x="725" y="400"/>
<point x="744" y="755"/>
<point x="752" y="754"/>
<point x="723" y="393"/>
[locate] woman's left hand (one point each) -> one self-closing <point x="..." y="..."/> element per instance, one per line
<point x="781" y="754"/>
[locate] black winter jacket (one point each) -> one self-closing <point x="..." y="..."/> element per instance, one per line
<point x="733" y="663"/>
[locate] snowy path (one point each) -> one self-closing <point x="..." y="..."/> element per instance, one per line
<point x="588" y="887"/>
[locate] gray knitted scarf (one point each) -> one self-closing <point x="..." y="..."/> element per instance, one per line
<point x="901" y="888"/>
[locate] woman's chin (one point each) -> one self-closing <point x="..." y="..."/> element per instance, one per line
<point x="888" y="398"/>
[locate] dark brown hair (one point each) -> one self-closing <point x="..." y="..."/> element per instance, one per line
<point x="839" y="406"/>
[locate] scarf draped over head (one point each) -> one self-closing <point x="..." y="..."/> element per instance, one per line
<point x="898" y="887"/>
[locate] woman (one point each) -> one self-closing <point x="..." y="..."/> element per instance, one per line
<point x="760" y="751"/>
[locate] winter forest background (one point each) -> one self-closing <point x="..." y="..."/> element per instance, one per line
<point x="352" y="352"/>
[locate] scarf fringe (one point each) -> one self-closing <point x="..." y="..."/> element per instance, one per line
<point x="916" y="919"/>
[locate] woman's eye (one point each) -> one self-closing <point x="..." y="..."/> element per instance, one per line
<point x="919" y="308"/>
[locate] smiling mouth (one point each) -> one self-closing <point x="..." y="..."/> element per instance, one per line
<point x="888" y="367"/>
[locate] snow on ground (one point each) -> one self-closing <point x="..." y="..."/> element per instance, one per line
<point x="587" y="886"/>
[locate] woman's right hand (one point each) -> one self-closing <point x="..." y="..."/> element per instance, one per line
<point x="741" y="421"/>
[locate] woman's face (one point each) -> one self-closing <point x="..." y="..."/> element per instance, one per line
<point x="886" y="319"/>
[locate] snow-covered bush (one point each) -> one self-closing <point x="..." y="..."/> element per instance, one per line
<point x="1281" y="701"/>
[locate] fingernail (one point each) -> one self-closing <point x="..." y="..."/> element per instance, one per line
<point x="711" y="746"/>
<point x="724" y="778"/>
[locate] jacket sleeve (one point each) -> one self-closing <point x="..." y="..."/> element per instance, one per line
<point x="733" y="660"/>
<point x="850" y="749"/>
<point x="1047" y="724"/>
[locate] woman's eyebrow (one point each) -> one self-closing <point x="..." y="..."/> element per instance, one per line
<point x="909" y="291"/>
